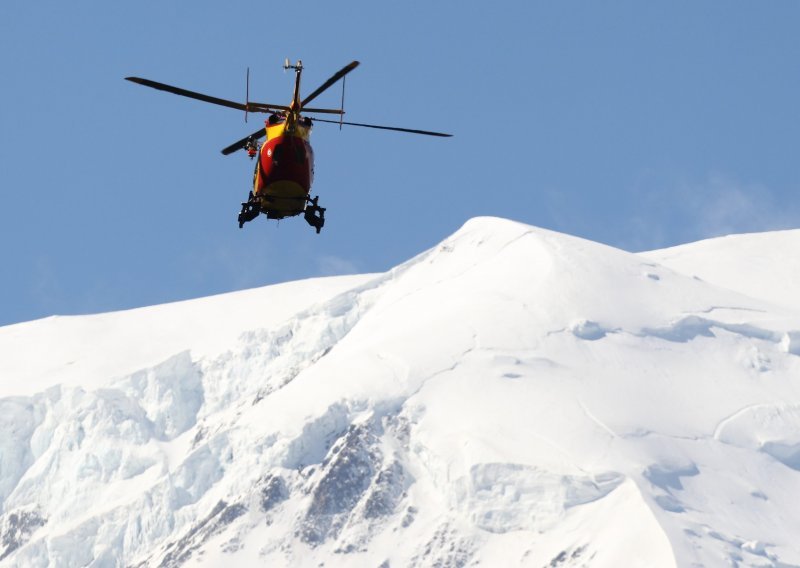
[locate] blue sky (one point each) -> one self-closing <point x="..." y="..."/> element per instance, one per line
<point x="637" y="124"/>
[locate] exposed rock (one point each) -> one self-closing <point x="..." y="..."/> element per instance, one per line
<point x="178" y="552"/>
<point x="347" y="473"/>
<point x="273" y="492"/>
<point x="16" y="528"/>
<point x="386" y="492"/>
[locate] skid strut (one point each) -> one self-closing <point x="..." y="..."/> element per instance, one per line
<point x="314" y="214"/>
<point x="250" y="210"/>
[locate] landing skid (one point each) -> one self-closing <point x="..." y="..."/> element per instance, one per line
<point x="313" y="214"/>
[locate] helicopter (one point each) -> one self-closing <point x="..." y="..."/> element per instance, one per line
<point x="284" y="170"/>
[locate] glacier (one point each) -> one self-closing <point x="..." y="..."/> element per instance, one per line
<point x="512" y="396"/>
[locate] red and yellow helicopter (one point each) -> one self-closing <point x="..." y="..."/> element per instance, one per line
<point x="284" y="170"/>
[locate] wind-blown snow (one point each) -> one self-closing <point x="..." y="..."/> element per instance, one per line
<point x="513" y="396"/>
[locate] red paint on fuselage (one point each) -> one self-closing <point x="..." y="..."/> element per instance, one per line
<point x="287" y="158"/>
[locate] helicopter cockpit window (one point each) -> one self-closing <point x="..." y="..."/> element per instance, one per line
<point x="274" y="119"/>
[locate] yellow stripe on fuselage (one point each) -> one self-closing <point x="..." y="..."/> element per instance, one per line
<point x="277" y="130"/>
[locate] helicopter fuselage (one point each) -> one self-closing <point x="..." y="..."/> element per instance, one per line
<point x="285" y="168"/>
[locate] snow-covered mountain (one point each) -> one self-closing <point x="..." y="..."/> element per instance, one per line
<point x="513" y="396"/>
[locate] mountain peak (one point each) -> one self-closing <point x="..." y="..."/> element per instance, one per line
<point x="512" y="396"/>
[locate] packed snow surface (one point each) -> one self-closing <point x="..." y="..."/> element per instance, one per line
<point x="512" y="396"/>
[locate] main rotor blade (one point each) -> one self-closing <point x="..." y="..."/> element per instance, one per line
<point x="265" y="107"/>
<point x="338" y="75"/>
<point x="324" y="110"/>
<point x="185" y="93"/>
<point x="260" y="133"/>
<point x="411" y="130"/>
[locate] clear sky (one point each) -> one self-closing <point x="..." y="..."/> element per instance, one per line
<point x="637" y="124"/>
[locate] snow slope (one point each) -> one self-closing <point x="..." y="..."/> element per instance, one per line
<point x="87" y="350"/>
<point x="762" y="265"/>
<point x="513" y="396"/>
